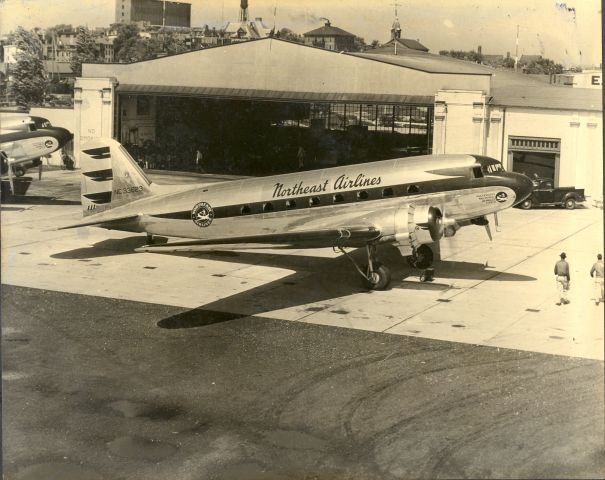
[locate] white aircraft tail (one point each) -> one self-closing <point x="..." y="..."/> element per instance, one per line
<point x="110" y="177"/>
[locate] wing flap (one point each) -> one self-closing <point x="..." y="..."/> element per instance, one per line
<point x="345" y="237"/>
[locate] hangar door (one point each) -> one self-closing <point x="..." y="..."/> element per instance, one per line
<point x="535" y="157"/>
<point x="262" y="137"/>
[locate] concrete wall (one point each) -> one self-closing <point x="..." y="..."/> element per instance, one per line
<point x="581" y="156"/>
<point x="460" y="122"/>
<point x="93" y="111"/>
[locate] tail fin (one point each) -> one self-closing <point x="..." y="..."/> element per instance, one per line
<point x="110" y="177"/>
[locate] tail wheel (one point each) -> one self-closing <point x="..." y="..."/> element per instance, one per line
<point x="526" y="205"/>
<point x="570" y="204"/>
<point x="379" y="279"/>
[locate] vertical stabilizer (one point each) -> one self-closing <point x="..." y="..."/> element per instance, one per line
<point x="110" y="177"/>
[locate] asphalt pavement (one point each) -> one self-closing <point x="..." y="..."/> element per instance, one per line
<point x="263" y="365"/>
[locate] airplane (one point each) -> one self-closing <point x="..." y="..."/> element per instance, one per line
<point x="25" y="139"/>
<point x="410" y="202"/>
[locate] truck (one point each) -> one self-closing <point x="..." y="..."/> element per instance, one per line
<point x="546" y="194"/>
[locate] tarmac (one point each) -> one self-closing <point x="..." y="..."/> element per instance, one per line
<point x="273" y="364"/>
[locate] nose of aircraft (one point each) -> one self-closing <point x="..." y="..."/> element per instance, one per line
<point x="522" y="185"/>
<point x="61" y="134"/>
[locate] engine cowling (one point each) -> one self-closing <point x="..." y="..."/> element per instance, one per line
<point x="418" y="225"/>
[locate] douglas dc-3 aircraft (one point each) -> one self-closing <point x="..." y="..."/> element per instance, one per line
<point x="410" y="202"/>
<point x="24" y="140"/>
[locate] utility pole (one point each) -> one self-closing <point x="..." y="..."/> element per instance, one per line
<point x="517" y="49"/>
<point x="395" y="40"/>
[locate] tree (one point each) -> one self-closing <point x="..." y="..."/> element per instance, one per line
<point x="287" y="34"/>
<point x="29" y="77"/>
<point x="359" y="44"/>
<point x="126" y="46"/>
<point x="470" y="56"/>
<point x="86" y="51"/>
<point x="375" y="44"/>
<point x="543" y="66"/>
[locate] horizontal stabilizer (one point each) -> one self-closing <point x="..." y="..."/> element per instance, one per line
<point x="98" y="220"/>
<point x="344" y="237"/>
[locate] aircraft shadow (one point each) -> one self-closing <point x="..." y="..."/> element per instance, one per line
<point x="106" y="248"/>
<point x="316" y="283"/>
<point x="38" y="200"/>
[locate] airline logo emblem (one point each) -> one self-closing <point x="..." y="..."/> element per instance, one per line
<point x="202" y="214"/>
<point x="501" y="197"/>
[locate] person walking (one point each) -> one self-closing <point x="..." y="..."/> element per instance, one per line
<point x="596" y="272"/>
<point x="563" y="279"/>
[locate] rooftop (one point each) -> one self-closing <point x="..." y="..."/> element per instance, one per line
<point x="425" y="62"/>
<point x="328" y="31"/>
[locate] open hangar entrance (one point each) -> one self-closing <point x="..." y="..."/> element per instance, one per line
<point x="262" y="137"/>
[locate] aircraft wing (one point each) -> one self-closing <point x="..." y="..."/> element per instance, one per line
<point x="355" y="236"/>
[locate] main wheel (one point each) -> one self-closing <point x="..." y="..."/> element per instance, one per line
<point x="19" y="171"/>
<point x="423" y="258"/>
<point x="379" y="279"/>
<point x="526" y="205"/>
<point x="570" y="204"/>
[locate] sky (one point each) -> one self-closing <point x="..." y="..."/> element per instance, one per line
<point x="568" y="32"/>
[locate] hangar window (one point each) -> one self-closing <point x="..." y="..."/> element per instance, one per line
<point x="385" y="118"/>
<point x="413" y="189"/>
<point x="314" y="201"/>
<point x="246" y="210"/>
<point x="268" y="207"/>
<point x="290" y="204"/>
<point x="387" y="192"/>
<point x="362" y="195"/>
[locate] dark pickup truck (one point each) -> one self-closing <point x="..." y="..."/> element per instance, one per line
<point x="545" y="194"/>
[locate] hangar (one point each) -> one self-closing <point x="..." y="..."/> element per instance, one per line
<point x="251" y="107"/>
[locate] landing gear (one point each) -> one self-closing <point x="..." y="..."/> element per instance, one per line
<point x="375" y="275"/>
<point x="422" y="257"/>
<point x="149" y="239"/>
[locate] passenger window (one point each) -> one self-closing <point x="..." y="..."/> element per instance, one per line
<point x="413" y="189"/>
<point x="246" y="210"/>
<point x="387" y="192"/>
<point x="314" y="201"/>
<point x="362" y="195"/>
<point x="338" y="198"/>
<point x="290" y="204"/>
<point x="268" y="207"/>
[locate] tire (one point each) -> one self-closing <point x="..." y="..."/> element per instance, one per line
<point x="570" y="204"/>
<point x="381" y="277"/>
<point x="526" y="204"/>
<point x="19" y="171"/>
<point x="424" y="257"/>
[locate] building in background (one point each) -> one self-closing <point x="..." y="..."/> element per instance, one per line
<point x="154" y="12"/>
<point x="330" y="38"/>
<point x="585" y="79"/>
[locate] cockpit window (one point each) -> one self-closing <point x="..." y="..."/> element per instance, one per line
<point x="493" y="168"/>
<point x="477" y="173"/>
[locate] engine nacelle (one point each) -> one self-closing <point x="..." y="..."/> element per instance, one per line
<point x="415" y="226"/>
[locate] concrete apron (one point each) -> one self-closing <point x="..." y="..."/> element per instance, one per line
<point x="499" y="293"/>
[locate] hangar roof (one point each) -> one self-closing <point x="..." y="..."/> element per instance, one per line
<point x="510" y="89"/>
<point x="427" y="62"/>
<point x="277" y="69"/>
